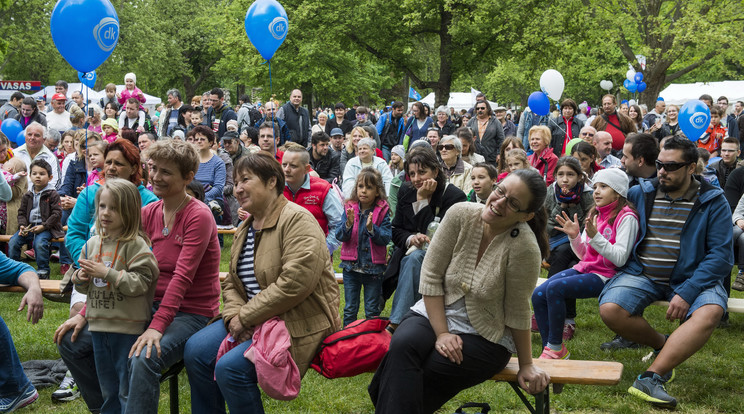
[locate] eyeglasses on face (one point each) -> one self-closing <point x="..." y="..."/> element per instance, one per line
<point x="670" y="166"/>
<point x="511" y="202"/>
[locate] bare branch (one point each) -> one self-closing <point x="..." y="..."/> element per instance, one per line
<point x="690" y="68"/>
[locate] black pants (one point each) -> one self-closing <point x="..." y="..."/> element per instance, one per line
<point x="562" y="258"/>
<point x="414" y="378"/>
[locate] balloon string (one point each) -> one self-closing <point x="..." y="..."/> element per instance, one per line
<point x="273" y="121"/>
<point x="87" y="206"/>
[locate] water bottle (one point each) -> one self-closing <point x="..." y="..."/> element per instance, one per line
<point x="430" y="230"/>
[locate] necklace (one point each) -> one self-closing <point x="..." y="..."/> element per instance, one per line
<point x="166" y="232"/>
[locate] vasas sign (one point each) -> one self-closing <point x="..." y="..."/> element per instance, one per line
<point x="12" y="85"/>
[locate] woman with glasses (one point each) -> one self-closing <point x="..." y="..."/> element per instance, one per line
<point x="29" y="113"/>
<point x="487" y="131"/>
<point x="457" y="171"/>
<point x="476" y="282"/>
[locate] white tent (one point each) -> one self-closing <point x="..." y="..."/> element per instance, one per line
<point x="679" y="93"/>
<point x="457" y="100"/>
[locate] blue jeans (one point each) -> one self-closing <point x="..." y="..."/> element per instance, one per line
<point x="386" y="154"/>
<point x="111" y="352"/>
<point x="64" y="254"/>
<point x="41" y="244"/>
<point x="78" y="357"/>
<point x="353" y="282"/>
<point x="12" y="378"/>
<point x="549" y="300"/>
<point x="406" y="294"/>
<point x="236" y="382"/>
<point x="144" y="373"/>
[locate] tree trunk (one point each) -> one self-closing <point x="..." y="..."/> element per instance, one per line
<point x="442" y="89"/>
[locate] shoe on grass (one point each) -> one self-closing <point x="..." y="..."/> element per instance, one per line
<point x="569" y="330"/>
<point x="63" y="268"/>
<point x="26" y="397"/>
<point x="739" y="282"/>
<point x="550" y="354"/>
<point x="619" y="343"/>
<point x="30" y="253"/>
<point x="651" y="390"/>
<point x="67" y="391"/>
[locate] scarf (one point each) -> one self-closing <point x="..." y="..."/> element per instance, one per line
<point x="572" y="197"/>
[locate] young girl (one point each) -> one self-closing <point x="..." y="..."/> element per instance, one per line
<point x="110" y="129"/>
<point x="507" y="145"/>
<point x="397" y="158"/>
<point x="95" y="161"/>
<point x="516" y="159"/>
<point x="365" y="235"/>
<point x="604" y="246"/>
<point x="587" y="155"/>
<point x="483" y="177"/>
<point x="118" y="273"/>
<point x="130" y="90"/>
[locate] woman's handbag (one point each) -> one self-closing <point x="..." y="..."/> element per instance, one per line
<point x="353" y="350"/>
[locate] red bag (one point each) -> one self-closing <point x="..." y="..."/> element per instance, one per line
<point x="353" y="350"/>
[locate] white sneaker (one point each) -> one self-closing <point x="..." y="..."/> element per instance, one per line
<point x="67" y="391"/>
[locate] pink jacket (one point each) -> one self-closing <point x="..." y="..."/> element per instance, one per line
<point x="592" y="261"/>
<point x="349" y="249"/>
<point x="126" y="94"/>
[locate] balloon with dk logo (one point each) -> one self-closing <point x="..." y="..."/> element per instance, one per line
<point x="85" y="32"/>
<point x="88" y="79"/>
<point x="266" y="25"/>
<point x="694" y="119"/>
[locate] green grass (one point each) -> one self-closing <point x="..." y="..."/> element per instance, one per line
<point x="709" y="382"/>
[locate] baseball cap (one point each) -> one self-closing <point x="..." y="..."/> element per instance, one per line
<point x="229" y="135"/>
<point x="336" y="131"/>
<point x="59" y="97"/>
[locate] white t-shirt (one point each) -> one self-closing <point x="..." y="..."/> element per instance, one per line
<point x="60" y="122"/>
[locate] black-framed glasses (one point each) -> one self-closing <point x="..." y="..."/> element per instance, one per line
<point x="511" y="202"/>
<point x="448" y="147"/>
<point x="670" y="166"/>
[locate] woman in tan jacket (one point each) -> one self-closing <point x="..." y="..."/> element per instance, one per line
<point x="279" y="266"/>
<point x="477" y="278"/>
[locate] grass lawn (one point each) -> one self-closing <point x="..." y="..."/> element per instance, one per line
<point x="708" y="382"/>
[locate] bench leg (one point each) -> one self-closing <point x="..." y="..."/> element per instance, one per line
<point x="542" y="400"/>
<point x="173" y="388"/>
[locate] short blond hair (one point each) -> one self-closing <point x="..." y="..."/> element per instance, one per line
<point x="541" y="129"/>
<point x="181" y="152"/>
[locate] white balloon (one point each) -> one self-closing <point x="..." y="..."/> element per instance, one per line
<point x="606" y="85"/>
<point x="630" y="75"/>
<point x="632" y="102"/>
<point x="552" y="84"/>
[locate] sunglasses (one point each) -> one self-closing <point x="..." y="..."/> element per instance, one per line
<point x="448" y="147"/>
<point x="670" y="166"/>
<point x="480" y="109"/>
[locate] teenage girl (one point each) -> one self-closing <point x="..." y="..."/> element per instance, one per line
<point x="95" y="161"/>
<point x="118" y="273"/>
<point x="587" y="155"/>
<point x="483" y="177"/>
<point x="365" y="236"/>
<point x="605" y="245"/>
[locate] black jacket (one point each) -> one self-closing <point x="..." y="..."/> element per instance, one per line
<point x="345" y="126"/>
<point x="558" y="133"/>
<point x="224" y="113"/>
<point x="489" y="144"/>
<point x="328" y="167"/>
<point x="298" y="122"/>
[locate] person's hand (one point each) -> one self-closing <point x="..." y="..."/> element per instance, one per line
<point x="678" y="308"/>
<point x="369" y="222"/>
<point x="140" y="129"/>
<point x="93" y="268"/>
<point x="349" y="217"/>
<point x="76" y="323"/>
<point x="80" y="276"/>
<point x="590" y="224"/>
<point x="419" y="240"/>
<point x="37" y="229"/>
<point x="532" y="379"/>
<point x="22" y="231"/>
<point x="239" y="332"/>
<point x="426" y="189"/>
<point x="242" y="214"/>
<point x="67" y="202"/>
<point x="740" y="223"/>
<point x="568" y="226"/>
<point x="147" y="340"/>
<point x="35" y="303"/>
<point x="450" y="346"/>
<point x="118" y="95"/>
<point x="80" y="189"/>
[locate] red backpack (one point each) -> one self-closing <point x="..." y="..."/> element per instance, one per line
<point x="353" y="350"/>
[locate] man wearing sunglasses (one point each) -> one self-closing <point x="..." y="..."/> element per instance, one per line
<point x="487" y="132"/>
<point x="683" y="256"/>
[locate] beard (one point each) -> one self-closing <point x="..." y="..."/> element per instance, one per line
<point x="670" y="187"/>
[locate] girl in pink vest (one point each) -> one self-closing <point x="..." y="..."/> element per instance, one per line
<point x="365" y="236"/>
<point x="604" y="246"/>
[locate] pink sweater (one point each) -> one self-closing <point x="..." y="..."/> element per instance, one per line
<point x="189" y="262"/>
<point x="135" y="93"/>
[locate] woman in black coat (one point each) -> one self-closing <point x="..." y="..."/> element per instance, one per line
<point x="559" y="129"/>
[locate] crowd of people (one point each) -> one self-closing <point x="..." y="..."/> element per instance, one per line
<point x="451" y="215"/>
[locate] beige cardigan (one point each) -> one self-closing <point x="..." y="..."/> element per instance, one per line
<point x="497" y="291"/>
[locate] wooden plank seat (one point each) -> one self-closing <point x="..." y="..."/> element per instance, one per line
<point x="561" y="371"/>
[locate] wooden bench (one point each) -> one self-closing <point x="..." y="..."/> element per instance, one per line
<point x="561" y="371"/>
<point x="5" y="238"/>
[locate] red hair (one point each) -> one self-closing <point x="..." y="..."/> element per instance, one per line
<point x="131" y="154"/>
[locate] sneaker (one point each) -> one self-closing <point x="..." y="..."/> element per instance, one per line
<point x="30" y="254"/>
<point x="739" y="282"/>
<point x="10" y="404"/>
<point x="63" y="268"/>
<point x="550" y="354"/>
<point x="619" y="343"/>
<point x="54" y="256"/>
<point x="215" y="207"/>
<point x="669" y="376"/>
<point x="43" y="275"/>
<point x="67" y="391"/>
<point x="533" y="324"/>
<point x="652" y="390"/>
<point x="569" y="330"/>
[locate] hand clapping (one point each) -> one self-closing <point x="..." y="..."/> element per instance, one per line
<point x="568" y="226"/>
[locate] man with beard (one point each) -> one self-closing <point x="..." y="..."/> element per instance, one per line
<point x="324" y="161"/>
<point x="683" y="256"/>
<point x="614" y="122"/>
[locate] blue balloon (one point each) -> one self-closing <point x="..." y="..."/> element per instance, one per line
<point x="694" y="119"/>
<point x="88" y="79"/>
<point x="11" y="128"/>
<point x="20" y="138"/>
<point x="539" y="103"/>
<point x="638" y="77"/>
<point x="632" y="87"/>
<point x="85" y="32"/>
<point x="642" y="86"/>
<point x="626" y="84"/>
<point x="266" y="25"/>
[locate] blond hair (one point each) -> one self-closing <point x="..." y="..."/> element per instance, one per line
<point x="84" y="139"/>
<point x="128" y="203"/>
<point x="350" y="141"/>
<point x="544" y="131"/>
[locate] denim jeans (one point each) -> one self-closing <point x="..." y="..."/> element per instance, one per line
<point x="406" y="294"/>
<point x="353" y="282"/>
<point x="12" y="378"/>
<point x="78" y="357"/>
<point x="145" y="373"/>
<point x="64" y="254"/>
<point x="41" y="244"/>
<point x="386" y="153"/>
<point x="236" y="382"/>
<point x="111" y="352"/>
